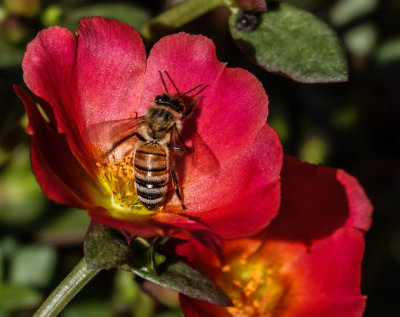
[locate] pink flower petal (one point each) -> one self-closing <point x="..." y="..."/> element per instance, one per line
<point x="359" y="205"/>
<point x="243" y="196"/>
<point x="49" y="72"/>
<point x="326" y="280"/>
<point x="231" y="110"/>
<point x="111" y="60"/>
<point x="94" y="77"/>
<point x="100" y="75"/>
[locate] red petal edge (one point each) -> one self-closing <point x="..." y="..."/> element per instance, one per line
<point x="57" y="171"/>
<point x="316" y="201"/>
<point x="163" y="224"/>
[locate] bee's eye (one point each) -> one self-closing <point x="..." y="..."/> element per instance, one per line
<point x="162" y="99"/>
<point x="177" y="105"/>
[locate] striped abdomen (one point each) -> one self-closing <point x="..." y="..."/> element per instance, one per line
<point x="151" y="174"/>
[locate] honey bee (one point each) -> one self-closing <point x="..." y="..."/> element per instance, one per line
<point x="158" y="139"/>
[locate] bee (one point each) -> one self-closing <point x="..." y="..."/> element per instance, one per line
<point x="158" y="139"/>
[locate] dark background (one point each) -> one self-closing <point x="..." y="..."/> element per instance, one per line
<point x="353" y="125"/>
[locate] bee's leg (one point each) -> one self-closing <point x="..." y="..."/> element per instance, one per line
<point x="189" y="110"/>
<point x="118" y="143"/>
<point x="175" y="148"/>
<point x="140" y="137"/>
<point x="176" y="187"/>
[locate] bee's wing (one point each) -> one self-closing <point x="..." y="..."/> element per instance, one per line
<point x="114" y="137"/>
<point x="195" y="160"/>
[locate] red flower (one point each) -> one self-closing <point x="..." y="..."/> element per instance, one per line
<point x="229" y="179"/>
<point x="306" y="263"/>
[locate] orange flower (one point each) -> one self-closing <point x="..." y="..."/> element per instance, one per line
<point x="306" y="263"/>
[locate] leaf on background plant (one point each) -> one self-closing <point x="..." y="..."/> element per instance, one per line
<point x="11" y="56"/>
<point x="22" y="270"/>
<point x="130" y="14"/>
<point x="21" y="199"/>
<point x="389" y="51"/>
<point x="88" y="308"/>
<point x="16" y="297"/>
<point x="345" y="11"/>
<point x="184" y="279"/>
<point x="171" y="313"/>
<point x="65" y="228"/>
<point x="293" y="43"/>
<point x="361" y="40"/>
<point x="106" y="248"/>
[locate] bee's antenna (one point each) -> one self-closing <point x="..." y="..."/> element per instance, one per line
<point x="190" y="90"/>
<point x="173" y="83"/>
<point x="200" y="91"/>
<point x="162" y="79"/>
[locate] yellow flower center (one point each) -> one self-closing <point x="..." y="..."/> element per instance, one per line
<point x="117" y="179"/>
<point x="253" y="286"/>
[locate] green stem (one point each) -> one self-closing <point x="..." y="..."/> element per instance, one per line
<point x="66" y="290"/>
<point x="177" y="16"/>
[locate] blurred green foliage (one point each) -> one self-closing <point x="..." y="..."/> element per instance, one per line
<point x="353" y="125"/>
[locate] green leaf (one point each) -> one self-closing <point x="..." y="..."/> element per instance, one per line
<point x="291" y="42"/>
<point x="87" y="308"/>
<point x="14" y="297"/>
<point x="171" y="313"/>
<point x="184" y="279"/>
<point x="389" y="51"/>
<point x="21" y="200"/>
<point x="130" y="14"/>
<point x="360" y="40"/>
<point x="10" y="55"/>
<point x="65" y="227"/>
<point x="345" y="11"/>
<point x="106" y="248"/>
<point x="33" y="265"/>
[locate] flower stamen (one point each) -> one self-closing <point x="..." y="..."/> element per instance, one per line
<point x="254" y="287"/>
<point x="117" y="178"/>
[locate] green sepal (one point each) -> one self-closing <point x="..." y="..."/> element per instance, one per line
<point x="180" y="277"/>
<point x="147" y="258"/>
<point x="105" y="248"/>
<point x="291" y="42"/>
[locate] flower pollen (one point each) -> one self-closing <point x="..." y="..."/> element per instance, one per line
<point x="253" y="286"/>
<point x="117" y="178"/>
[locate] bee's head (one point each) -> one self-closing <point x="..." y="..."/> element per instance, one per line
<point x="170" y="101"/>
